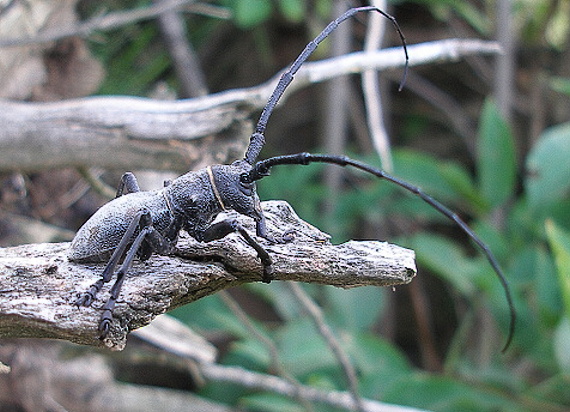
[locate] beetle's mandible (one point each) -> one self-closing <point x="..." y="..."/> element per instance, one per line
<point x="138" y="224"/>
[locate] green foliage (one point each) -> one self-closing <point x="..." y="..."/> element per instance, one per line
<point x="560" y="245"/>
<point x="496" y="165"/>
<point x="549" y="170"/>
<point x="562" y="345"/>
<point x="445" y="393"/>
<point x="132" y="60"/>
<point x="250" y="13"/>
<point x="471" y="14"/>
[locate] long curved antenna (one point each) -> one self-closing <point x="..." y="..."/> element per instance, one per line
<point x="261" y="169"/>
<point x="257" y="139"/>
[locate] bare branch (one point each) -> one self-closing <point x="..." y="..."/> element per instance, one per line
<point x="186" y="64"/>
<point x="39" y="284"/>
<point x="111" y="21"/>
<point x="275" y="384"/>
<point x="371" y="90"/>
<point x="131" y="133"/>
<point x="316" y="314"/>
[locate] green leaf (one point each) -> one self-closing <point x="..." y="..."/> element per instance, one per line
<point x="445" y="258"/>
<point x="496" y="163"/>
<point x="300" y="187"/>
<point x="249" y="13"/>
<point x="268" y="402"/>
<point x="293" y="10"/>
<point x="302" y="349"/>
<point x="561" y="343"/>
<point x="378" y="364"/>
<point x="443" y="180"/>
<point x="353" y="309"/>
<point x="535" y="270"/>
<point x="560" y="244"/>
<point x="548" y="168"/>
<point x="548" y="297"/>
<point x="250" y="353"/>
<point x="443" y="393"/>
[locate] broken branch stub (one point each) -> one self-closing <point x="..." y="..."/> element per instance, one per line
<point x="39" y="284"/>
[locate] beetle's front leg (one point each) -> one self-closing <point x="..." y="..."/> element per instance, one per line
<point x="261" y="227"/>
<point x="224" y="228"/>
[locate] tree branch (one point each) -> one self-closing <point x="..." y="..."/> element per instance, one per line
<point x="275" y="384"/>
<point x="114" y="20"/>
<point x="39" y="284"/>
<point x="135" y="133"/>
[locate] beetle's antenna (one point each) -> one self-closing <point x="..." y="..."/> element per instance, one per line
<point x="261" y="169"/>
<point x="257" y="139"/>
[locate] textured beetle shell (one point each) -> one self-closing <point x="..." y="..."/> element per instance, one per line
<point x="97" y="238"/>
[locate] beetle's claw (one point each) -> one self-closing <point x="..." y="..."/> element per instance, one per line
<point x="84" y="300"/>
<point x="267" y="274"/>
<point x="105" y="323"/>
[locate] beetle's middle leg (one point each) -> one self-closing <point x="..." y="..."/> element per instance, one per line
<point x="128" y="184"/>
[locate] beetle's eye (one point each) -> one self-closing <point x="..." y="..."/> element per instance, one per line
<point x="244" y="178"/>
<point x="247" y="188"/>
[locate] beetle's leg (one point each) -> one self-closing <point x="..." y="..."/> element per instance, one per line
<point x="224" y="228"/>
<point x="88" y="297"/>
<point x="107" y="316"/>
<point x="261" y="226"/>
<point x="128" y="184"/>
<point x="148" y="236"/>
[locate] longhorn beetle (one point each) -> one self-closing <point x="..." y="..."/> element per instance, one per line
<point x="137" y="224"/>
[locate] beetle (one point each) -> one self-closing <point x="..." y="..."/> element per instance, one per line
<point x="138" y="224"/>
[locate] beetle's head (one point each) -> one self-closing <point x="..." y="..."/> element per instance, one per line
<point x="232" y="191"/>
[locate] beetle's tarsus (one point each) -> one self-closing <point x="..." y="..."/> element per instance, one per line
<point x="84" y="299"/>
<point x="105" y="323"/>
<point x="268" y="272"/>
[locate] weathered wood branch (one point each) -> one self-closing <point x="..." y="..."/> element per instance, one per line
<point x="133" y="133"/>
<point x="39" y="284"/>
